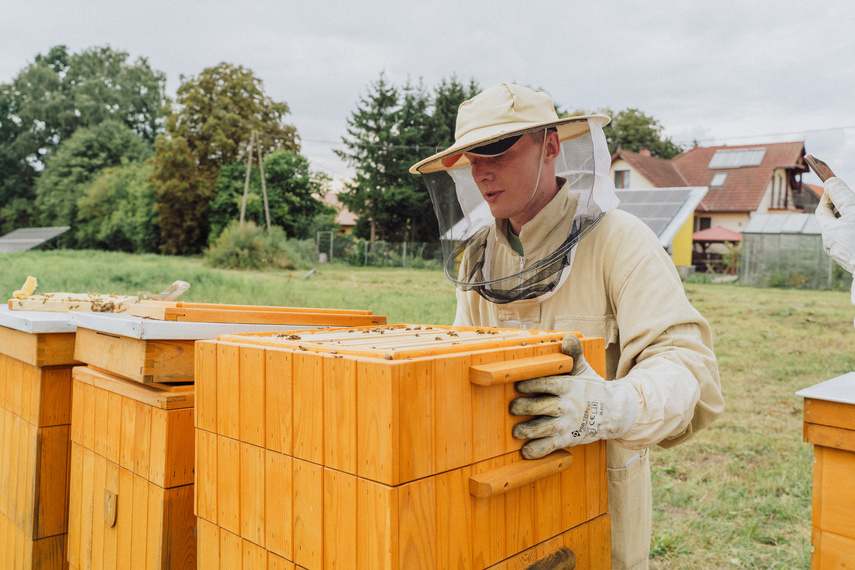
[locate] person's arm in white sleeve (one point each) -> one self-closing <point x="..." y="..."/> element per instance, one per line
<point x="838" y="230"/>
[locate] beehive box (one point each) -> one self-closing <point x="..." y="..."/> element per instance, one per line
<point x="829" y="424"/>
<point x="387" y="448"/>
<point x="36" y="358"/>
<point x="131" y="492"/>
<point x="153" y="341"/>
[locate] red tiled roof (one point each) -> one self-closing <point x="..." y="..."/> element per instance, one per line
<point x="818" y="190"/>
<point x="744" y="187"/>
<point x="660" y="172"/>
<point x="717" y="234"/>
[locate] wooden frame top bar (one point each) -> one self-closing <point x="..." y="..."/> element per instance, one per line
<point x="397" y="342"/>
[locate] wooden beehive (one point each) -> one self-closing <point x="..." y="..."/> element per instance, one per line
<point x="829" y="424"/>
<point x="36" y="358"/>
<point x="387" y="448"/>
<point x="131" y="492"/>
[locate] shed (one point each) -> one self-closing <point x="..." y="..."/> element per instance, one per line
<point x="785" y="250"/>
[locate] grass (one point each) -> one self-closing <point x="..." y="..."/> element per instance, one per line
<point x="735" y="496"/>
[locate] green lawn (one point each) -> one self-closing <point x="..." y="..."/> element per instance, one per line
<point x="735" y="496"/>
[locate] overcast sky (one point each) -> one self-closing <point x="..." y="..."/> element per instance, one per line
<point x="713" y="71"/>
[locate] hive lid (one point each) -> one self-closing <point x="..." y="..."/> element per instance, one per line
<point x="398" y="342"/>
<point x="36" y="321"/>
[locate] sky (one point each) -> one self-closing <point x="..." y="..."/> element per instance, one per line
<point x="709" y="71"/>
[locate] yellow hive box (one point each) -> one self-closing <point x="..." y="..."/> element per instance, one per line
<point x="131" y="491"/>
<point x="829" y="424"/>
<point x="36" y="358"/>
<point x="388" y="448"/>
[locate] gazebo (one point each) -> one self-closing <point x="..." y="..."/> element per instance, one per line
<point x="707" y="261"/>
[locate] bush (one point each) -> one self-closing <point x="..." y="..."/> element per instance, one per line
<point x="247" y="246"/>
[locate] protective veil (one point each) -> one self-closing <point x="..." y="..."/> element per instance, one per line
<point x="468" y="231"/>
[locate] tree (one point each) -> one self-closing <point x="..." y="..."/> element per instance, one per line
<point x="117" y="211"/>
<point x="58" y="94"/>
<point x="75" y="163"/>
<point x="632" y="130"/>
<point x="211" y="122"/>
<point x="294" y="195"/>
<point x="391" y="130"/>
<point x="371" y="145"/>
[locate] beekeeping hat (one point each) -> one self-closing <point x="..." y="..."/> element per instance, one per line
<point x="488" y="125"/>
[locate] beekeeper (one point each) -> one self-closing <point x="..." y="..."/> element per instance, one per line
<point x="533" y="237"/>
<point x="838" y="230"/>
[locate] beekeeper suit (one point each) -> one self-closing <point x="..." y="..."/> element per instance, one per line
<point x="533" y="239"/>
<point x="838" y="228"/>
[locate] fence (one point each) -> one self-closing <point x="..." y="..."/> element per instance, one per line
<point x="357" y="251"/>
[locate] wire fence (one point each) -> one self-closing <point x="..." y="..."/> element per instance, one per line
<point x="357" y="251"/>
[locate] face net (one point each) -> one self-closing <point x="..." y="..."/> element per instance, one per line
<point x="468" y="230"/>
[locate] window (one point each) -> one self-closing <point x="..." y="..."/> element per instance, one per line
<point x="718" y="180"/>
<point x="737" y="158"/>
<point x="702" y="223"/>
<point x="621" y="178"/>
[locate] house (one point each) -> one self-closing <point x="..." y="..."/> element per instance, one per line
<point x="742" y="180"/>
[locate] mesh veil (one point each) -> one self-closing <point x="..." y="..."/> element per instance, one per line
<point x="468" y="230"/>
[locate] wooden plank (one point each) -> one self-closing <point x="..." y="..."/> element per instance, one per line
<point x="377" y="428"/>
<point x="111" y="533"/>
<point x="308" y="406"/>
<point x="377" y="534"/>
<point x="278" y="401"/>
<point x="254" y="557"/>
<point x="340" y="520"/>
<point x="75" y="504"/>
<point x="838" y="503"/>
<point x="206" y="475"/>
<point x="125" y="516"/>
<point x="523" y="369"/>
<point x="278" y="498"/>
<point x="453" y="515"/>
<point x="231" y="551"/>
<point x="831" y="551"/>
<point x="252" y="394"/>
<point x="179" y="448"/>
<point x="517" y="473"/>
<point x="65" y="302"/>
<point x="228" y="484"/>
<point x="179" y="530"/>
<point x="308" y="513"/>
<point x="152" y="396"/>
<point x="228" y="390"/>
<point x="113" y="435"/>
<point x="452" y="412"/>
<point x="827" y="413"/>
<point x="488" y="521"/>
<point x="520" y="508"/>
<point x="252" y="487"/>
<point x="142" y="439"/>
<point x="832" y="437"/>
<point x="208" y="544"/>
<point x="38" y="349"/>
<point x="206" y="385"/>
<point x="417" y="512"/>
<point x="417" y="424"/>
<point x="259" y="317"/>
<point x="140" y="524"/>
<point x="488" y="413"/>
<point x="99" y="482"/>
<point x="51" y="484"/>
<point x="339" y="415"/>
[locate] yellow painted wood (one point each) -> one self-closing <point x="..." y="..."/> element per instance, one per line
<point x="228" y="390"/>
<point x="252" y="394"/>
<point x="339" y="414"/>
<point x="340" y="505"/>
<point x="38" y="349"/>
<point x="206" y="385"/>
<point x="279" y="493"/>
<point x="308" y="513"/>
<point x="220" y="314"/>
<point x="827" y="413"/>
<point x="278" y="401"/>
<point x="228" y="484"/>
<point x="206" y="475"/>
<point x="307" y="391"/>
<point x="252" y="488"/>
<point x="142" y="360"/>
<point x="523" y="472"/>
<point x="452" y="412"/>
<point x="523" y="369"/>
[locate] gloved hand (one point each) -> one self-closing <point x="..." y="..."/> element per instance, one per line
<point x="838" y="234"/>
<point x="572" y="409"/>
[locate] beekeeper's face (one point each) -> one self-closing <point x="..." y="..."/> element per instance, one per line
<point x="518" y="183"/>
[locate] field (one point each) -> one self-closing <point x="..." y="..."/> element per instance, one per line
<point x="735" y="496"/>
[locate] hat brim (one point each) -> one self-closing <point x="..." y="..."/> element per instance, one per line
<point x="454" y="156"/>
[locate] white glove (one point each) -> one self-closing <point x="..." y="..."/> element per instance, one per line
<point x="573" y="409"/>
<point x="838" y="233"/>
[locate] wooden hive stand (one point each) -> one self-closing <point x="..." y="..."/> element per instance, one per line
<point x="36" y="359"/>
<point x="829" y="424"/>
<point x="387" y="448"/>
